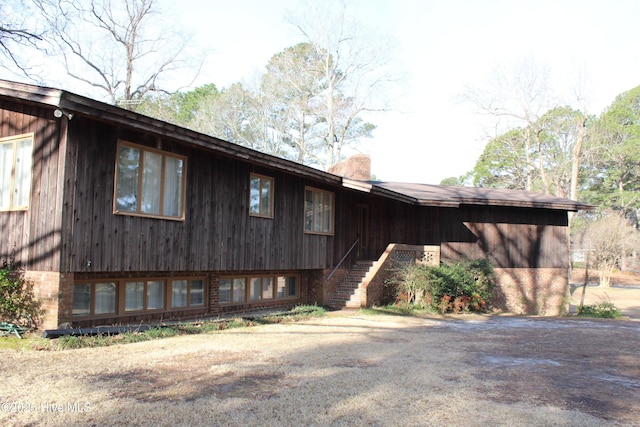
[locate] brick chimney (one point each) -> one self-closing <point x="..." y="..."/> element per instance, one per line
<point x="356" y="167"/>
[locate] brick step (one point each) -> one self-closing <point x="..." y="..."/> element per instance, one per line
<point x="349" y="287"/>
<point x="348" y="293"/>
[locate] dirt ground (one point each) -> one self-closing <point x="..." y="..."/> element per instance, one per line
<point x="346" y="369"/>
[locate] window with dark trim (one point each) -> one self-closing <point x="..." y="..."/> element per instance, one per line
<point x="260" y="196"/>
<point x="15" y="171"/>
<point x="318" y="211"/>
<point x="149" y="182"/>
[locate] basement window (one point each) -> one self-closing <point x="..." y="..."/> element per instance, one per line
<point x="94" y="299"/>
<point x="137" y="296"/>
<point x="239" y="290"/>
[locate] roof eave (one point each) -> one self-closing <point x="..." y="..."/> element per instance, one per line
<point x="571" y="207"/>
<point x="80" y="105"/>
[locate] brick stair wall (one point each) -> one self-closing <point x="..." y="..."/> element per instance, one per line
<point x="349" y="291"/>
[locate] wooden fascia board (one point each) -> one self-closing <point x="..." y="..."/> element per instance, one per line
<point x="571" y="207"/>
<point x="35" y="94"/>
<point x="108" y="113"/>
<point x="439" y="203"/>
<point x="389" y="194"/>
<point x="82" y="106"/>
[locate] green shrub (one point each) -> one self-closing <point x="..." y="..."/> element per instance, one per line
<point x="604" y="310"/>
<point x="17" y="300"/>
<point x="412" y="283"/>
<point x="448" y="288"/>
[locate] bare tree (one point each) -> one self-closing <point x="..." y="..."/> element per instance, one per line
<point x="354" y="70"/>
<point x="609" y="240"/>
<point x="119" y="47"/>
<point x="516" y="98"/>
<point x="19" y="36"/>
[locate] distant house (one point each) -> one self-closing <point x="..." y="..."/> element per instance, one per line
<point x="120" y="218"/>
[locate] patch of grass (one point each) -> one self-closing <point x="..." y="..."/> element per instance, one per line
<point x="398" y="310"/>
<point x="28" y="342"/>
<point x="295" y="314"/>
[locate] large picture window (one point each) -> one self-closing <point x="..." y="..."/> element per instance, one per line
<point x="15" y="172"/>
<point x="149" y="182"/>
<point x="261" y="196"/>
<point x="318" y="211"/>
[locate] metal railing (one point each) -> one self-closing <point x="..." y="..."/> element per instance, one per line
<point x="342" y="259"/>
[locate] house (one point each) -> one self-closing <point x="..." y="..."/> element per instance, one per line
<point x="120" y="218"/>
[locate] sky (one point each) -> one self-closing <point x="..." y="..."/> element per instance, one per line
<point x="442" y="46"/>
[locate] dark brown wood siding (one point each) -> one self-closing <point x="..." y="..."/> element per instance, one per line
<point x="510" y="237"/>
<point x="70" y="225"/>
<point x="34" y="236"/>
<point x="218" y="234"/>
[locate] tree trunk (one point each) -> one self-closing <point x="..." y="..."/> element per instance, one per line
<point x="575" y="163"/>
<point x="605" y="276"/>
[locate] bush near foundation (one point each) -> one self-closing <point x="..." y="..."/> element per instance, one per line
<point x="457" y="287"/>
<point x="18" y="303"/>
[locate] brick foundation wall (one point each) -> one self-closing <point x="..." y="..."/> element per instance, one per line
<point x="330" y="286"/>
<point x="59" y="299"/>
<point x="540" y="291"/>
<point x="312" y="287"/>
<point x="55" y="293"/>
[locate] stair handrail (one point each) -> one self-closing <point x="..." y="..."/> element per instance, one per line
<point x="342" y="259"/>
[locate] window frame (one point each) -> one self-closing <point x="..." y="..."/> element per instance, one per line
<point x="248" y="284"/>
<point x="14" y="140"/>
<point x="261" y="178"/>
<point x="315" y="210"/>
<point x="92" y="299"/>
<point x="140" y="188"/>
<point x="285" y="277"/>
<point x="188" y="296"/>
<point x="122" y="302"/>
<point x="261" y="292"/>
<point x="121" y="294"/>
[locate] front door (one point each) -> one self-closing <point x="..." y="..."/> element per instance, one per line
<point x="363" y="232"/>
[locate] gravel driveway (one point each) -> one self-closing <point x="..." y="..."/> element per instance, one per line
<point x="342" y="370"/>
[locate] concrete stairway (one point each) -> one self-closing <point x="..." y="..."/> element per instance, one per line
<point x="348" y="293"/>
